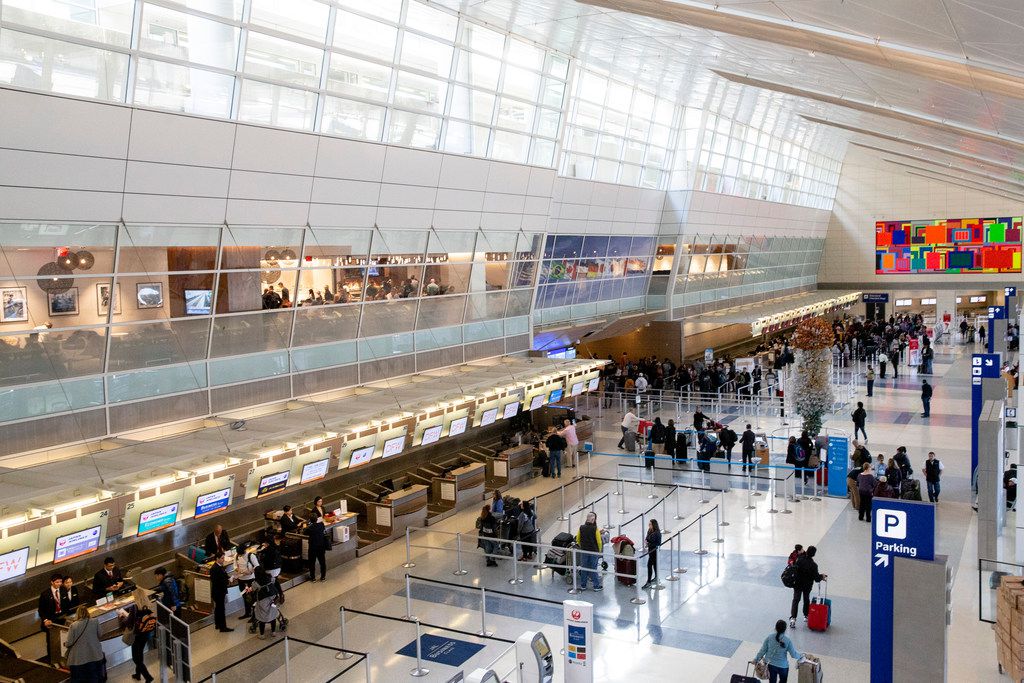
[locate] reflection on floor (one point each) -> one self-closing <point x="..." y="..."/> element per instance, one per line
<point x="703" y="627"/>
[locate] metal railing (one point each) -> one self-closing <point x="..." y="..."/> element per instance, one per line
<point x="284" y="644"/>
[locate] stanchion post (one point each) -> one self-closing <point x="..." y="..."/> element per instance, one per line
<point x="700" y="537"/>
<point x="703" y="487"/>
<point x="409" y="564"/>
<point x="678" y="550"/>
<point x="721" y="505"/>
<point x="419" y="671"/>
<point x="785" y="501"/>
<point x="820" y="471"/>
<point x="575" y="574"/>
<point x="773" y="487"/>
<point x="458" y="552"/>
<point x="678" y="515"/>
<point x="636" y="599"/>
<point x="343" y="654"/>
<point x="287" y="662"/>
<point x="515" y="580"/>
<point x="672" y="559"/>
<point x="608" y="513"/>
<point x="561" y="495"/>
<point x="750" y="505"/>
<point x="483" y="614"/>
<point x="718" y="525"/>
<point x="622" y="500"/>
<point x="408" y="598"/>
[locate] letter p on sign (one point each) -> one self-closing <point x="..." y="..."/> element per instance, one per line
<point x="891" y="524"/>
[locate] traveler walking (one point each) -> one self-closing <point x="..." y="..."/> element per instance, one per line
<point x="776" y="650"/>
<point x="139" y="622"/>
<point x="866" y="488"/>
<point x="926" y="398"/>
<point x="747" y="440"/>
<point x="652" y="542"/>
<point x="528" y="531"/>
<point x="859" y="416"/>
<point x="727" y="438"/>
<point x="556" y="445"/>
<point x="932" y="474"/>
<point x="588" y="538"/>
<point x="870" y="375"/>
<point x="629" y="423"/>
<point x="807" y="575"/>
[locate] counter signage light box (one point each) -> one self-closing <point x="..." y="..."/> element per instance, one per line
<point x="577" y="389"/>
<point x="511" y="410"/>
<point x="13" y="563"/>
<point x="430" y="435"/>
<point x="158" y="518"/>
<point x="394" y="446"/>
<point x="74" y="545"/>
<point x="273" y="482"/>
<point x="488" y="417"/>
<point x="312" y="471"/>
<point x="208" y="503"/>
<point x="361" y="456"/>
<point x="593" y="383"/>
<point x="537" y="402"/>
<point x="556" y="396"/>
<point x="458" y="426"/>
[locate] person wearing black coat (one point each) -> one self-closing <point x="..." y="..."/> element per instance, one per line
<point x="682" y="446"/>
<point x="807" y="576"/>
<point x="670" y="439"/>
<point x="657" y="438"/>
<point x="217" y="540"/>
<point x="317" y="548"/>
<point x="219" y="581"/>
<point x="747" y="442"/>
<point x="727" y="437"/>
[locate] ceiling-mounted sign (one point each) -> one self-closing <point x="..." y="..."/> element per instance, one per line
<point x="875" y="297"/>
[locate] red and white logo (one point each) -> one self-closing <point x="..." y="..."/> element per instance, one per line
<point x="575" y="614"/>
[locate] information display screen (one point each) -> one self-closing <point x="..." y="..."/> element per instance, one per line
<point x="556" y="396"/>
<point x="157" y="519"/>
<point x="593" y="383"/>
<point x="208" y="503"/>
<point x="272" y="483"/>
<point x="511" y="410"/>
<point x="577" y="389"/>
<point x="312" y="471"/>
<point x="430" y="435"/>
<point x="13" y="564"/>
<point x="488" y="417"/>
<point x="537" y="402"/>
<point x="361" y="456"/>
<point x="457" y="426"/>
<point x="77" y="544"/>
<point x="393" y="446"/>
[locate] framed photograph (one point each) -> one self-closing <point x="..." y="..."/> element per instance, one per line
<point x="64" y="303"/>
<point x="14" y="301"/>
<point x="103" y="298"/>
<point x="150" y="294"/>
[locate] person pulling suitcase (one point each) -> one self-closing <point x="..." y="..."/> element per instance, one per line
<point x="774" y="655"/>
<point x="807" y="576"/>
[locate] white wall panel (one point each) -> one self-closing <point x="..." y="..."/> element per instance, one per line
<point x="509" y="178"/>
<point x="160" y="209"/>
<point x="464" y="173"/>
<point x="412" y="166"/>
<point x="407" y="196"/>
<point x="174" y="179"/>
<point x="342" y="215"/>
<point x="391" y="217"/>
<point x="56" y="124"/>
<point x="455" y="200"/>
<point x="30" y="204"/>
<point x="256" y="212"/>
<point x="172" y="138"/>
<point x="276" y="151"/>
<point x="331" y="191"/>
<point x="270" y="186"/>
<point x="350" y="159"/>
<point x="60" y="171"/>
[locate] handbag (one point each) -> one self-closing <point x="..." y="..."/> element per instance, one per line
<point x="814" y="462"/>
<point x="128" y="637"/>
<point x="761" y="669"/>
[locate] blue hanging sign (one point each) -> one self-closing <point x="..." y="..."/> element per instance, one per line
<point x="838" y="462"/>
<point x="875" y="297"/>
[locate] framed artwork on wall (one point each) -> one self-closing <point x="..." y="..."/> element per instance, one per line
<point x="64" y="303"/>
<point x="103" y="298"/>
<point x="149" y="294"/>
<point x="14" y="302"/>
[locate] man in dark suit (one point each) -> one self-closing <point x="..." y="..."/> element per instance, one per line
<point x="217" y="541"/>
<point x="219" y="592"/>
<point x="50" y="604"/>
<point x="747" y="441"/>
<point x="288" y="521"/>
<point x="108" y="579"/>
<point x="317" y="548"/>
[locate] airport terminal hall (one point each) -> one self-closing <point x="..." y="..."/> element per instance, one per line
<point x="511" y="341"/>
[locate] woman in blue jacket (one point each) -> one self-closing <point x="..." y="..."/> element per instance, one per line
<point x="776" y="649"/>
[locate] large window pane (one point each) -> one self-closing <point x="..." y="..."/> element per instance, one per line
<point x="232" y="9"/>
<point x="426" y="54"/>
<point x="516" y="115"/>
<point x="440" y="311"/>
<point x="305" y="18"/>
<point x="155" y="382"/>
<point x="358" y="77"/>
<point x="477" y="70"/>
<point x="420" y="92"/>
<point x="414" y="130"/>
<point x="363" y="36"/>
<point x="323" y="324"/>
<point x="250" y="333"/>
<point x="521" y="83"/>
<point x="182" y="88"/>
<point x="232" y="370"/>
<point x="147" y="249"/>
<point x="43" y="64"/>
<point x="388" y="317"/>
<point x="104" y="22"/>
<point x="510" y="147"/>
<point x="483" y="39"/>
<point x="282" y="60"/>
<point x="276" y="105"/>
<point x="352" y="119"/>
<point x="29" y="246"/>
<point x="432" y="21"/>
<point x="188" y="37"/>
<point x="159" y="343"/>
<point x="471" y="105"/>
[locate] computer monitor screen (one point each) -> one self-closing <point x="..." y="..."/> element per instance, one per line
<point x="13" y="564"/>
<point x="77" y="544"/>
<point x="198" y="301"/>
<point x="215" y="501"/>
<point x="430" y="435"/>
<point x="393" y="446"/>
<point x="273" y="482"/>
<point x="511" y="410"/>
<point x="577" y="389"/>
<point x="556" y="396"/>
<point x="488" y="417"/>
<point x="537" y="401"/>
<point x="457" y="426"/>
<point x="593" y="383"/>
<point x="158" y="518"/>
<point x="312" y="471"/>
<point x="361" y="456"/>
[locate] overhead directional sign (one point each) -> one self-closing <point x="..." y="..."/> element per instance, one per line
<point x="983" y="365"/>
<point x="899" y="528"/>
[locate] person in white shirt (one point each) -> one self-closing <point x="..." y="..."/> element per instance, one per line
<point x="629" y="422"/>
<point x="568" y="432"/>
<point x="246" y="563"/>
<point x="641" y="383"/>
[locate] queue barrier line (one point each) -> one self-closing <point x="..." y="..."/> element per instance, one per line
<point x="362" y="657"/>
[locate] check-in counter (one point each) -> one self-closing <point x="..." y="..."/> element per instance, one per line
<point x="462" y="486"/>
<point x="114" y="648"/>
<point x="396" y="511"/>
<point x="509" y="467"/>
<point x="344" y="540"/>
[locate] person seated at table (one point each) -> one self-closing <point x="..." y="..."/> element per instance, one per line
<point x="217" y="540"/>
<point x="69" y="600"/>
<point x="289" y="522"/>
<point x="109" y="579"/>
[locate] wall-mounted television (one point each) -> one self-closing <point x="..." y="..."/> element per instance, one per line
<point x="361" y="456"/>
<point x="511" y="410"/>
<point x="556" y="395"/>
<point x="592" y="386"/>
<point x="577" y="389"/>
<point x="312" y="471"/>
<point x="158" y="518"/>
<point x="212" y="502"/>
<point x="393" y="446"/>
<point x="198" y="301"/>
<point x="76" y="544"/>
<point x="950" y="245"/>
<point x="273" y="482"/>
<point x="458" y="425"/>
<point x="430" y="435"/>
<point x="489" y="416"/>
<point x="13" y="563"/>
<point x="537" y="401"/>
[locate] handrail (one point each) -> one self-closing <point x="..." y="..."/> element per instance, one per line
<point x="406" y="620"/>
<point x="490" y="591"/>
<point x="360" y="656"/>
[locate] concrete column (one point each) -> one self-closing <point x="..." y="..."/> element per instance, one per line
<point x="920" y="618"/>
<point x="991" y="495"/>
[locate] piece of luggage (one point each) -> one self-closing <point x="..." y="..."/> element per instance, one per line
<point x="763" y="454"/>
<point x="744" y="678"/>
<point x="789" y="575"/>
<point x="823" y="599"/>
<point x="809" y="670"/>
<point x="911" y="490"/>
<point x="196" y="554"/>
<point x="563" y="540"/>
<point x="625" y="567"/>
<point x="629" y="439"/>
<point x="819" y="615"/>
<point x="821" y="475"/>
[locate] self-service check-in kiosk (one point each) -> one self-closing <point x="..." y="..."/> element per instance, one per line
<point x="533" y="656"/>
<point x="483" y="676"/>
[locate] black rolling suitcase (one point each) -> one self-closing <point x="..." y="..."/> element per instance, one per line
<point x="744" y="678"/>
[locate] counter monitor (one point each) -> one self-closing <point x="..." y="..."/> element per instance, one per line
<point x="430" y="435"/>
<point x="592" y="386"/>
<point x="457" y="426"/>
<point x="312" y="471"/>
<point x="77" y="544"/>
<point x="537" y="402"/>
<point x="361" y="456"/>
<point x="577" y="389"/>
<point x="13" y="564"/>
<point x="511" y="410"/>
<point x="272" y="482"/>
<point x="209" y="503"/>
<point x="488" y="417"/>
<point x="393" y="446"/>
<point x="556" y="396"/>
<point x="158" y="518"/>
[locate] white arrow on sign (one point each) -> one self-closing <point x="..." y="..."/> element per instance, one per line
<point x="881" y="559"/>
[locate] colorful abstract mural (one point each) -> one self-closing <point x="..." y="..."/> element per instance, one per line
<point x="953" y="245"/>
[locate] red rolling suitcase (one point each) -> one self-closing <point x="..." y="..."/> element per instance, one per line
<point x="819" y="614"/>
<point x="625" y="569"/>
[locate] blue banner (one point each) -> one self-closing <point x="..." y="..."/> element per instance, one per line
<point x="899" y="528"/>
<point x="838" y="461"/>
<point x="875" y="298"/>
<point x="983" y="365"/>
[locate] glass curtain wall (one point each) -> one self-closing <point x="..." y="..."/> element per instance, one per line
<point x="399" y="71"/>
<point x="95" y="314"/>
